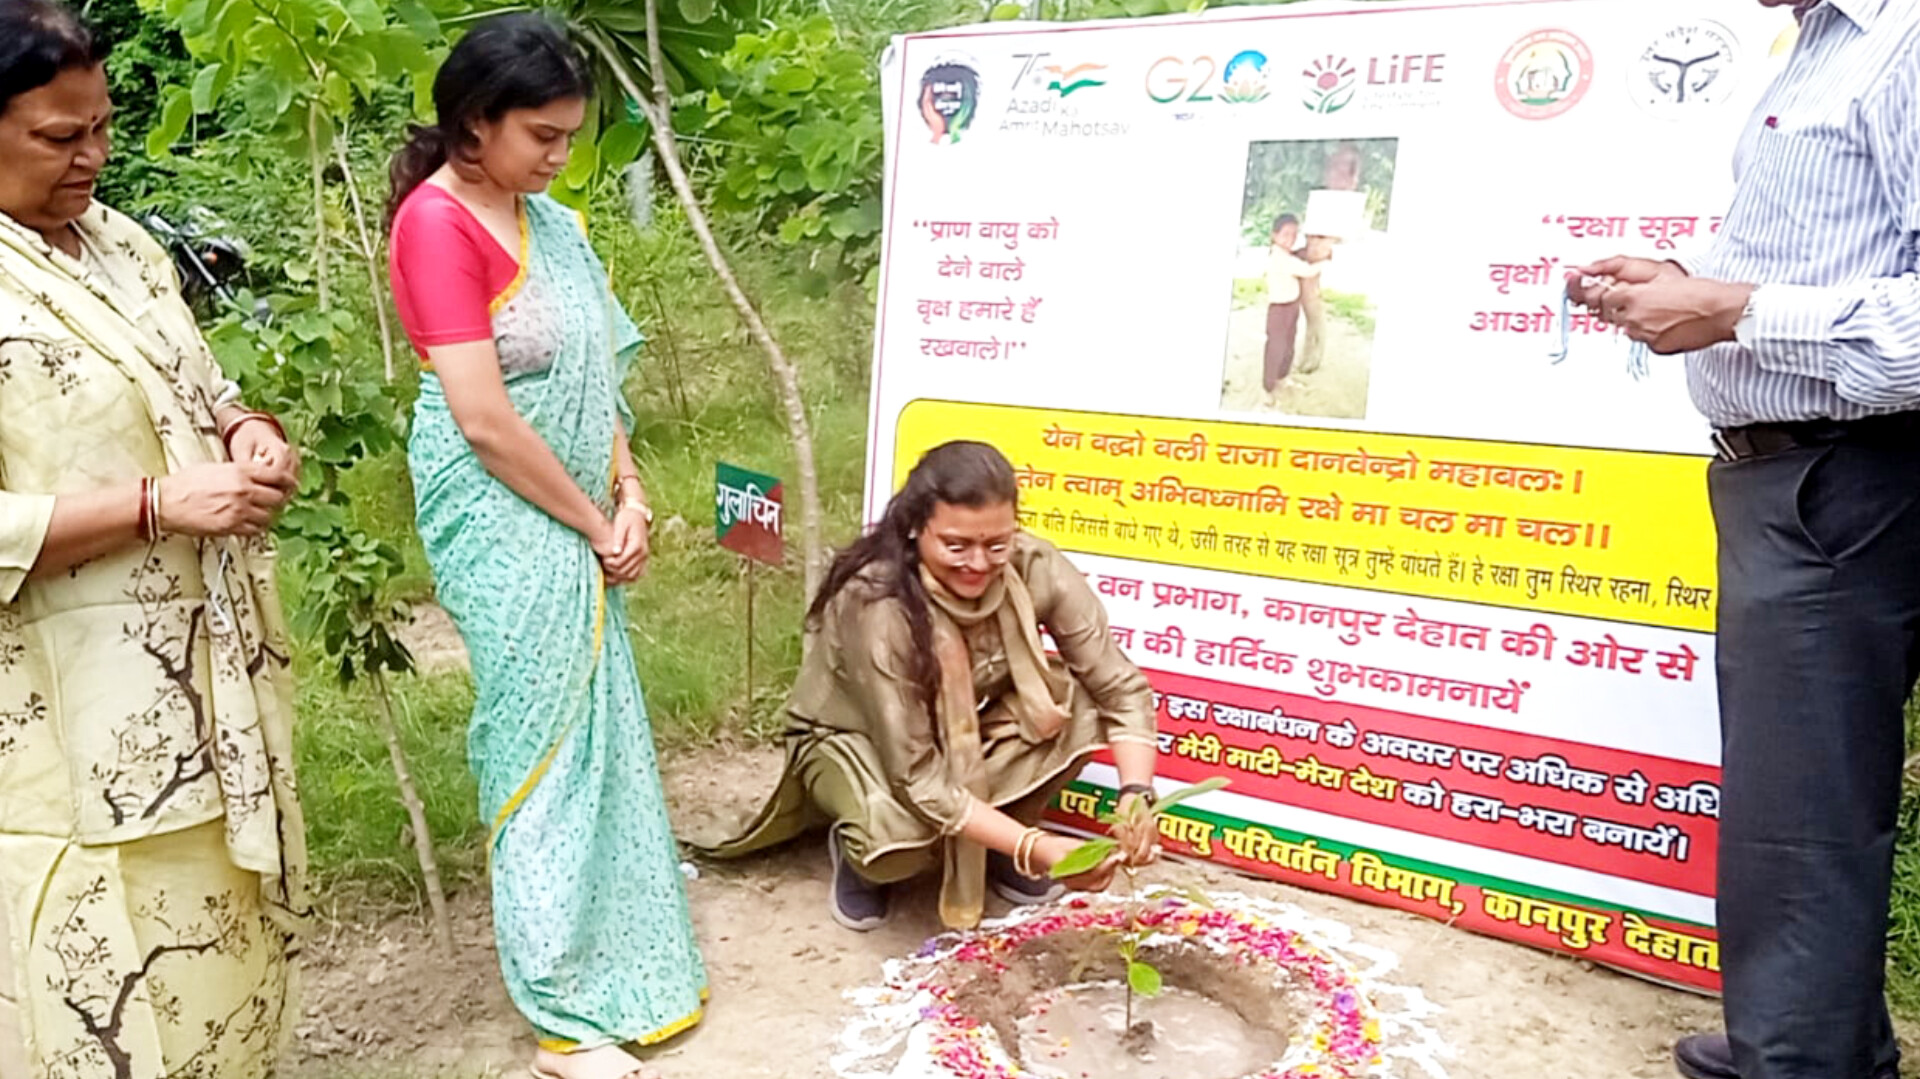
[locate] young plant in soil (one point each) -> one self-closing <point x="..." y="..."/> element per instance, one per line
<point x="1131" y="817"/>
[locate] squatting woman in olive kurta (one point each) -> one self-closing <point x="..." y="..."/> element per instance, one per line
<point x="929" y="728"/>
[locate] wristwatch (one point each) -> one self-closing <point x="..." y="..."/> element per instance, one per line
<point x="1144" y="790"/>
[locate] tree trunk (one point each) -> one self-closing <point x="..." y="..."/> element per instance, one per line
<point x="658" y="109"/>
<point x="416" y="814"/>
<point x="1313" y="310"/>
<point x="369" y="251"/>
<point x="314" y="160"/>
<point x="1340" y="173"/>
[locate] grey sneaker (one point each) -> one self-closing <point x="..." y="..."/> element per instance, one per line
<point x="1016" y="889"/>
<point x="856" y="903"/>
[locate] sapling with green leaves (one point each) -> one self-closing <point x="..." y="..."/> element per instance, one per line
<point x="1129" y="817"/>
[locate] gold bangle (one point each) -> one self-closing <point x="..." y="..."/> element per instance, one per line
<point x="1024" y="850"/>
<point x="642" y="508"/>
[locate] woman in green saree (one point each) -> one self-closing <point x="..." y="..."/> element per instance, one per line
<point x="532" y="514"/>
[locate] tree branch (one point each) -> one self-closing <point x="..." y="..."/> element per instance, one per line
<point x="319" y="205"/>
<point x="416" y="816"/>
<point x="107" y="1032"/>
<point x="658" y="109"/>
<point x="368" y="251"/>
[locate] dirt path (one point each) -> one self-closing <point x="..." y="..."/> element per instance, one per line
<point x="1338" y="389"/>
<point x="379" y="1005"/>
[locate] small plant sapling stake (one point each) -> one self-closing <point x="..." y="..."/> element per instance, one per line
<point x="1129" y="817"/>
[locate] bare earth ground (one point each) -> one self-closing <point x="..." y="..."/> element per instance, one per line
<point x="380" y="1005"/>
<point x="1338" y="389"/>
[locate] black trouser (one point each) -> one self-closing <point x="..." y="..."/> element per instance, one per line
<point x="1819" y="607"/>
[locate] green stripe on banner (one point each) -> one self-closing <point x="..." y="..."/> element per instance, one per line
<point x="1346" y="851"/>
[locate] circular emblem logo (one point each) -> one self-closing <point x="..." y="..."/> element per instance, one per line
<point x="949" y="99"/>
<point x="1687" y="67"/>
<point x="1544" y="74"/>
<point x="1244" y="79"/>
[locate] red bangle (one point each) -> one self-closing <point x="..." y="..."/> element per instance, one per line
<point x="226" y="436"/>
<point x="148" y="518"/>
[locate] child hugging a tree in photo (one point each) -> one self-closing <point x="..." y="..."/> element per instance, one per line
<point x="1286" y="268"/>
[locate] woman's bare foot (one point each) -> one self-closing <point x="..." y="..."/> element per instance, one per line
<point x="606" y="1062"/>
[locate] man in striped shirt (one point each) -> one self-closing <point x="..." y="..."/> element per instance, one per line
<point x="1801" y="325"/>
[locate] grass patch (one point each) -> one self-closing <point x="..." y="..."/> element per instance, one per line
<point x="357" y="831"/>
<point x="1355" y="309"/>
<point x="1249" y="292"/>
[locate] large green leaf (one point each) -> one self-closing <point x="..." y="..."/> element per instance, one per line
<point x="366" y="15"/>
<point x="398" y="51"/>
<point x="1184" y="793"/>
<point x="206" y="86"/>
<point x="860" y="219"/>
<point x="1144" y="979"/>
<point x="1084" y="858"/>
<point x="792" y="80"/>
<point x="621" y="145"/>
<point x="418" y="19"/>
<point x="173" y="122"/>
<point x="584" y="158"/>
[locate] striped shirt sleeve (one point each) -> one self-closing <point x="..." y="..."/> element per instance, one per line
<point x="1862" y="336"/>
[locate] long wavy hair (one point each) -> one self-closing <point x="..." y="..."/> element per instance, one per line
<point x="520" y="61"/>
<point x="38" y="40"/>
<point x="970" y="474"/>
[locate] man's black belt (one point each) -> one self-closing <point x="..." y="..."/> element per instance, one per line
<point x="1898" y="429"/>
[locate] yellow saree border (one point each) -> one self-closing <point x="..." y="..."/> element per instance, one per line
<point x="540" y="770"/>
<point x="599" y="642"/>
<point x="678" y="1026"/>
<point x="526" y="250"/>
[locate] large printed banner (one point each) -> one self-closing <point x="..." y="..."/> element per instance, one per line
<point x="1265" y="307"/>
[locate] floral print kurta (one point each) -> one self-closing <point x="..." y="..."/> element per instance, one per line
<point x="151" y="848"/>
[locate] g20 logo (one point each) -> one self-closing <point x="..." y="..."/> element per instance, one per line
<point x="1243" y="79"/>
<point x="1172" y="79"/>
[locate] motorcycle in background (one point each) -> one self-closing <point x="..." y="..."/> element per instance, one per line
<point x="209" y="258"/>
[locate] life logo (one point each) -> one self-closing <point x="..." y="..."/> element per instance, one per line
<point x="1242" y="79"/>
<point x="1394" y="81"/>
<point x="1544" y="74"/>
<point x="1688" y="68"/>
<point x="949" y="98"/>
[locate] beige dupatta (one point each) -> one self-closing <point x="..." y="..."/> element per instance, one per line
<point x="130" y="314"/>
<point x="1037" y="706"/>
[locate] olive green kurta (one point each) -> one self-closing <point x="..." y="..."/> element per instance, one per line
<point x="864" y="755"/>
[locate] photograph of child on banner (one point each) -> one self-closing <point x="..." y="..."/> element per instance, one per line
<point x="1300" y="341"/>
